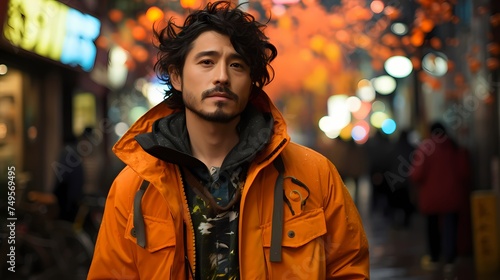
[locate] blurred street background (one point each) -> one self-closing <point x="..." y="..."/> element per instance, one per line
<point x="358" y="80"/>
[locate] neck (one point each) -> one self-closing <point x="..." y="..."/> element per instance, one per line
<point x="211" y="142"/>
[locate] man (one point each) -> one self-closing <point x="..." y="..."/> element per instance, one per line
<point x="213" y="187"/>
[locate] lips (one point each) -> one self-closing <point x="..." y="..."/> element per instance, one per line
<point x="219" y="94"/>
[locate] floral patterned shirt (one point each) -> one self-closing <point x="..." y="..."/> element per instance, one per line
<point x="216" y="234"/>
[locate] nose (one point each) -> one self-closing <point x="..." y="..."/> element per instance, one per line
<point x="221" y="75"/>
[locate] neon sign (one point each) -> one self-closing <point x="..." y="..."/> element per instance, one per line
<point x="53" y="30"/>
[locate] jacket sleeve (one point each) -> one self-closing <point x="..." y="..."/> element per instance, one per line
<point x="114" y="256"/>
<point x="346" y="245"/>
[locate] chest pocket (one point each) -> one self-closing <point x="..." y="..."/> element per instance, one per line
<point x="159" y="233"/>
<point x="299" y="230"/>
<point x="150" y="233"/>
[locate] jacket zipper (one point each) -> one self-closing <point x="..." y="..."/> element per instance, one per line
<point x="191" y="227"/>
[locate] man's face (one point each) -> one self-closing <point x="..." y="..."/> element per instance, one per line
<point x="215" y="81"/>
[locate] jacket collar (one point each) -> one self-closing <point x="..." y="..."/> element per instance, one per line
<point x="147" y="166"/>
<point x="169" y="140"/>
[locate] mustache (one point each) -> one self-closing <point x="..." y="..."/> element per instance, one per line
<point x="226" y="90"/>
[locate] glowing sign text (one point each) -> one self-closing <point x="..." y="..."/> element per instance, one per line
<point x="53" y="30"/>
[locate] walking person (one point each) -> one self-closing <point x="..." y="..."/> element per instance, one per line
<point x="440" y="171"/>
<point x="400" y="198"/>
<point x="69" y="179"/>
<point x="213" y="187"/>
<point x="378" y="149"/>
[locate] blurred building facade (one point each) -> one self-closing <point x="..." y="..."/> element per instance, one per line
<point x="48" y="97"/>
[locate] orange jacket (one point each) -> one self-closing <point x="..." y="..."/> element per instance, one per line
<point x="324" y="239"/>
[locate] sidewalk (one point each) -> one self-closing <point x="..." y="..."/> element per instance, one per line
<point x="395" y="253"/>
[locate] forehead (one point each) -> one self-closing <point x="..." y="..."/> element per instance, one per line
<point x="213" y="41"/>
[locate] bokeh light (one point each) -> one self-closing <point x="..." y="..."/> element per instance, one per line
<point x="353" y="103"/>
<point x="155" y="92"/>
<point x="435" y="63"/>
<point x="399" y="28"/>
<point x="388" y="126"/>
<point x="121" y="128"/>
<point x="377" y="6"/>
<point x="154" y="13"/>
<point x="384" y="84"/>
<point x="345" y="133"/>
<point x="326" y="124"/>
<point x="338" y="111"/>
<point x="378" y="106"/>
<point x="398" y="66"/>
<point x="360" y="132"/>
<point x="136" y="112"/>
<point x="365" y="90"/>
<point x="377" y="118"/>
<point x="3" y="69"/>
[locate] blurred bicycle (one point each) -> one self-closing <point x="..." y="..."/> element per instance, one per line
<point x="47" y="248"/>
<point x="89" y="215"/>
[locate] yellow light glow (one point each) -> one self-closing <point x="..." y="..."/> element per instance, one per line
<point x="154" y="13"/>
<point x="377" y="118"/>
<point x="345" y="133"/>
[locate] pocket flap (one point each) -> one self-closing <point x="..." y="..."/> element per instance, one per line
<point x="160" y="233"/>
<point x="298" y="230"/>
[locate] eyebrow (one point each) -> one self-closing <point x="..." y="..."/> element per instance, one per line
<point x="215" y="53"/>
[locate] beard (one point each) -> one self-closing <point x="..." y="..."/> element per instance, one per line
<point x="218" y="116"/>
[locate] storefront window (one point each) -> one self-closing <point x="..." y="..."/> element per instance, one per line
<point x="84" y="112"/>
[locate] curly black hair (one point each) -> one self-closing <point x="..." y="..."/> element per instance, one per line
<point x="245" y="33"/>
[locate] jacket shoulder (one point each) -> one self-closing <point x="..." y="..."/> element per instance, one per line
<point x="123" y="189"/>
<point x="307" y="158"/>
<point x="303" y="162"/>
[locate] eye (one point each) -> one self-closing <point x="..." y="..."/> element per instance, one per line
<point x="239" y="65"/>
<point x="206" y="62"/>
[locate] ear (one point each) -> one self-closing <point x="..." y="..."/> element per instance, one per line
<point x="254" y="92"/>
<point x="175" y="78"/>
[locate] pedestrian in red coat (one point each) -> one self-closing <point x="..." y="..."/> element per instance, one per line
<point x="440" y="170"/>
